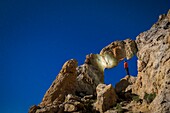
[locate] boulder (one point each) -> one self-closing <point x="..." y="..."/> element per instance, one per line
<point x="124" y="84"/>
<point x="106" y="97"/>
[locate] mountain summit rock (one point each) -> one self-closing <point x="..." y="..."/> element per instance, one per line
<point x="81" y="89"/>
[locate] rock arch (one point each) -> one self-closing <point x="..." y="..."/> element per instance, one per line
<point x="84" y="79"/>
<point x="91" y="73"/>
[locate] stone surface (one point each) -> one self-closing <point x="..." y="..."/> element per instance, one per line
<point x="154" y="65"/>
<point x="88" y="79"/>
<point x="120" y="50"/>
<point x="48" y="109"/>
<point x="64" y="84"/>
<point x="106" y="97"/>
<point x="33" y="109"/>
<point x="124" y="83"/>
<point x="69" y="108"/>
<point x="91" y="73"/>
<point x="77" y="104"/>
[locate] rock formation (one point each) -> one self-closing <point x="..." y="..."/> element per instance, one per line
<point x="125" y="84"/>
<point x="81" y="89"/>
<point x="91" y="73"/>
<point x="106" y="97"/>
<point x="154" y="64"/>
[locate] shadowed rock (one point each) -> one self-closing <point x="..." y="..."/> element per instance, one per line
<point x="154" y="64"/>
<point x="124" y="84"/>
<point x="91" y="73"/>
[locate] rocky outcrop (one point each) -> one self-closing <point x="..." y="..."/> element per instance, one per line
<point x="118" y="50"/>
<point x="77" y="104"/>
<point x="125" y="84"/>
<point x="90" y="75"/>
<point x="81" y="89"/>
<point x="154" y="64"/>
<point x="64" y="84"/>
<point x="83" y="80"/>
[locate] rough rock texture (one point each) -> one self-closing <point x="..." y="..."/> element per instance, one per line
<point x="74" y="103"/>
<point x="80" y="89"/>
<point x="154" y="64"/>
<point x="84" y="79"/>
<point x="33" y="109"/>
<point x="125" y="84"/>
<point x="91" y="73"/>
<point x="64" y="84"/>
<point x="118" y="50"/>
<point x="106" y="97"/>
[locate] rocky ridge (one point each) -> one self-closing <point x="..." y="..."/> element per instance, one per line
<point x="81" y="89"/>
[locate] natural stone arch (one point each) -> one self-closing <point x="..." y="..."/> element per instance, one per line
<point x="91" y="73"/>
<point x="83" y="80"/>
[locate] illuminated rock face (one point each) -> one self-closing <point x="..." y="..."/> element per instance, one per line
<point x="118" y="50"/>
<point x="63" y="85"/>
<point x="154" y="64"/>
<point x="91" y="73"/>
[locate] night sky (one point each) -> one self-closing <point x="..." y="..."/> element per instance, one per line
<point x="38" y="36"/>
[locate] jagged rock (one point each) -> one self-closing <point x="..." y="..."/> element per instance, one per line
<point x="121" y="86"/>
<point x="33" y="109"/>
<point x="74" y="103"/>
<point x="124" y="83"/>
<point x="106" y="97"/>
<point x="91" y="73"/>
<point x="89" y="76"/>
<point x="141" y="65"/>
<point x="48" y="109"/>
<point x="71" y="98"/>
<point x="64" y="84"/>
<point x="120" y="50"/>
<point x="154" y="64"/>
<point x="69" y="108"/>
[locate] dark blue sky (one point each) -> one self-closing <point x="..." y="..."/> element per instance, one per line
<point x="38" y="36"/>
